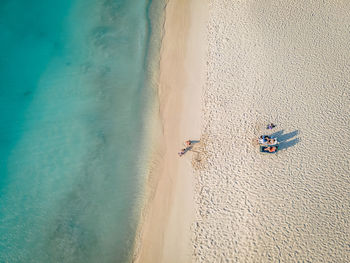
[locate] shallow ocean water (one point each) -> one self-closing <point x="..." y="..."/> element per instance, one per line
<point x="73" y="100"/>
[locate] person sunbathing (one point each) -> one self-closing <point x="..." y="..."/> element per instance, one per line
<point x="263" y="139"/>
<point x="271" y="149"/>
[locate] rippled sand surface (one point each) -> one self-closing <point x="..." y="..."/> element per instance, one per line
<point x="287" y="63"/>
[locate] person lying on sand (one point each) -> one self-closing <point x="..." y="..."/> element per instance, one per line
<point x="182" y="152"/>
<point x="263" y="139"/>
<point x="271" y="149"/>
<point x="267" y="140"/>
<point x="185" y="150"/>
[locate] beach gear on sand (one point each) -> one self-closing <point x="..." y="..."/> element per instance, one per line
<point x="182" y="152"/>
<point x="270" y="126"/>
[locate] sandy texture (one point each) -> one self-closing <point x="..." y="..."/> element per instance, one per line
<point x="287" y="62"/>
<point x="164" y="234"/>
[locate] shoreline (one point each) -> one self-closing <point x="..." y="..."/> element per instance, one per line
<point x="164" y="232"/>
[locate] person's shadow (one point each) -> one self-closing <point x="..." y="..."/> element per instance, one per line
<point x="194" y="141"/>
<point x="286" y="140"/>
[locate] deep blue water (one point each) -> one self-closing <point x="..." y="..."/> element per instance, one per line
<point x="72" y="104"/>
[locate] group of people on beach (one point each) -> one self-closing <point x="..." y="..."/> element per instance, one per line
<point x="188" y="146"/>
<point x="270" y="149"/>
<point x="268" y="144"/>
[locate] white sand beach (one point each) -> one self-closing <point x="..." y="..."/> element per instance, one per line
<point x="286" y="62"/>
<point x="225" y="73"/>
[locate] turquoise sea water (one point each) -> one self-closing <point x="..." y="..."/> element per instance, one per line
<point x="72" y="104"/>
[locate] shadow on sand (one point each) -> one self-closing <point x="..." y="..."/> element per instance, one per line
<point x="286" y="140"/>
